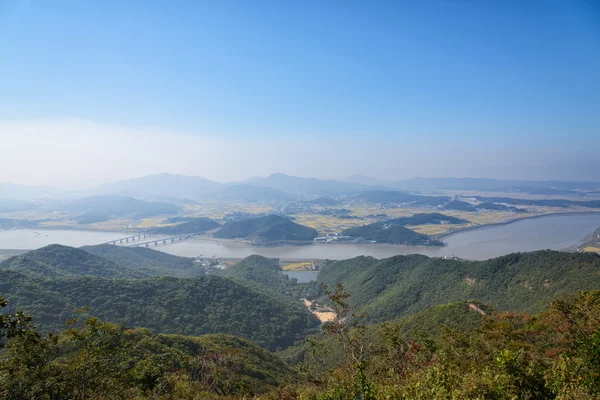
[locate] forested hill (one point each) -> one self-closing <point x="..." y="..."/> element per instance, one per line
<point x="259" y="271"/>
<point x="193" y="225"/>
<point x="140" y="257"/>
<point x="192" y="306"/>
<point x="462" y="315"/>
<point x="394" y="230"/>
<point x="524" y="282"/>
<point x="270" y="228"/>
<point x="57" y="260"/>
<point x="389" y="232"/>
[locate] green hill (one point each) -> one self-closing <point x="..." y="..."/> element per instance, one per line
<point x="136" y="364"/>
<point x="57" y="260"/>
<point x="427" y="218"/>
<point x="394" y="230"/>
<point x="259" y="271"/>
<point x="463" y="315"/>
<point x="389" y="232"/>
<point x="270" y="228"/>
<point x="138" y="257"/>
<point x="192" y="306"/>
<point x="193" y="225"/>
<point x="524" y="282"/>
<point x="266" y="274"/>
<point x="458" y="205"/>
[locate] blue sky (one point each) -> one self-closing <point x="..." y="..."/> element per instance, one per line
<point x="475" y="75"/>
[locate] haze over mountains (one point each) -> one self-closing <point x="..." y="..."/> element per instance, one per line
<point x="281" y="187"/>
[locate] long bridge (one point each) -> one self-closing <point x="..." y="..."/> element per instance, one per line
<point x="172" y="239"/>
<point x="139" y="236"/>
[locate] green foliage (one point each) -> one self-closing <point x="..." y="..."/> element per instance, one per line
<point x="463" y="316"/>
<point x="150" y="262"/>
<point x="427" y="218"/>
<point x="271" y="228"/>
<point x="96" y="359"/>
<point x="57" y="260"/>
<point x="389" y="232"/>
<point x="394" y="231"/>
<point x="266" y="274"/>
<point x="389" y="288"/>
<point x="193" y="225"/>
<point x="193" y="306"/>
<point x="458" y="205"/>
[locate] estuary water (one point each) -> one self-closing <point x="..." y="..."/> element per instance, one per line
<point x="556" y="232"/>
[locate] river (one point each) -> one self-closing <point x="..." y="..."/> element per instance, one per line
<point x="555" y="232"/>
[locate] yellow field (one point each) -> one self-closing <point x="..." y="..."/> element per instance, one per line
<point x="298" y="266"/>
<point x="327" y="223"/>
<point x="592" y="249"/>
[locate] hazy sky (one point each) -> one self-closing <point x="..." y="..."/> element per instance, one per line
<point x="97" y="91"/>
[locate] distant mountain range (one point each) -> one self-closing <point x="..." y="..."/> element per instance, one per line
<point x="281" y="187"/>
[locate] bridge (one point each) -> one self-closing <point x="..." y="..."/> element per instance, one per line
<point x="139" y="236"/>
<point x="171" y="239"/>
<point x="155" y="242"/>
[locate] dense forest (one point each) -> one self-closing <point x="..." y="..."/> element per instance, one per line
<point x="270" y="228"/>
<point x="266" y="274"/>
<point x="406" y="327"/>
<point x="551" y="355"/>
<point x="192" y="306"/>
<point x="148" y="261"/>
<point x="56" y="261"/>
<point x="524" y="282"/>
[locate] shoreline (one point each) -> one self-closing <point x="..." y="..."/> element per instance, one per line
<point x="510" y="221"/>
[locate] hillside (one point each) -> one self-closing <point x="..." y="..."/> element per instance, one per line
<point x="61" y="261"/>
<point x="192" y="306"/>
<point x="394" y="231"/>
<point x="427" y="218"/>
<point x="464" y="316"/>
<point x="266" y="274"/>
<point x="270" y="228"/>
<point x="192" y="225"/>
<point x="150" y="261"/>
<point x="259" y="271"/>
<point x="458" y="205"/>
<point x="524" y="282"/>
<point x="135" y="363"/>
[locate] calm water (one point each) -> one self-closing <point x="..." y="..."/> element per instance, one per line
<point x="303" y="276"/>
<point x="555" y="232"/>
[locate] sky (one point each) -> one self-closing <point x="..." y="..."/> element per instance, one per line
<point x="94" y="91"/>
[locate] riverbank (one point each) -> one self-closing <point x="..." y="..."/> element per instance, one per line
<point x="507" y="222"/>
